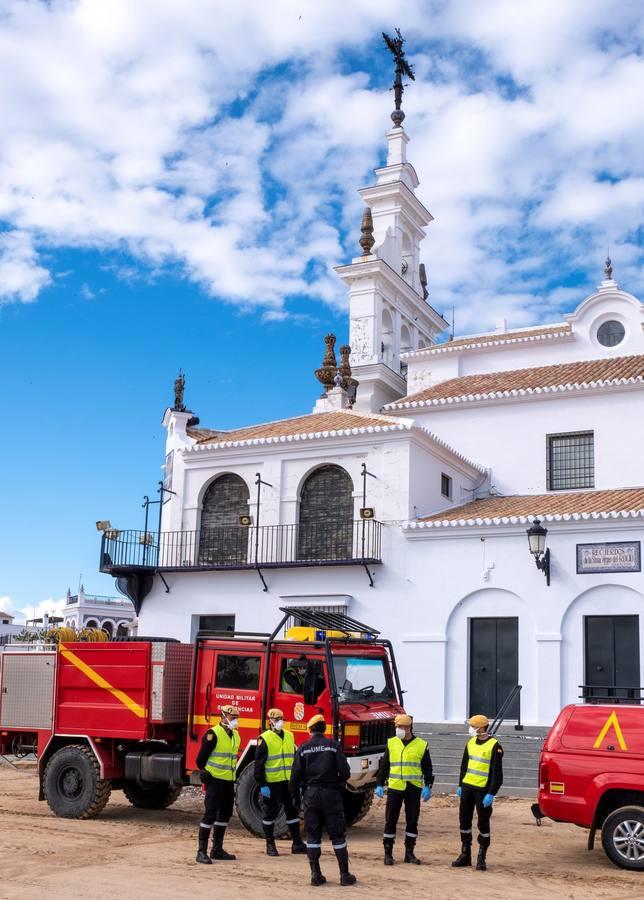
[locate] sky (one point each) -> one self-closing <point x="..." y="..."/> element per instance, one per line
<point x="178" y="179"/>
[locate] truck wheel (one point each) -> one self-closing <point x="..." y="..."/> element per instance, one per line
<point x="356" y="805"/>
<point x="72" y="783"/>
<point x="247" y="801"/>
<point x="151" y="794"/>
<point x="623" y="837"/>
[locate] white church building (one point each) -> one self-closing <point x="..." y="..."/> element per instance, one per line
<point x="452" y="451"/>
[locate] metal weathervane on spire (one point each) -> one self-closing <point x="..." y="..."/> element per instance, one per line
<point x="395" y="47"/>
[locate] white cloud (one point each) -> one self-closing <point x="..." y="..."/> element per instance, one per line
<point x="526" y="123"/>
<point x="21" y="276"/>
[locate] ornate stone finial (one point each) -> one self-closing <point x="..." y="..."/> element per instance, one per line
<point x="345" y="365"/>
<point x="326" y="373"/>
<point x="395" y="47"/>
<point x="608" y="267"/>
<point x="179" y="388"/>
<point x="422" y="277"/>
<point x="367" y="239"/>
<point x="348" y="383"/>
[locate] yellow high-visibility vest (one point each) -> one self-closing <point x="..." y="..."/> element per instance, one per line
<point x="281" y="753"/>
<point x="404" y="763"/>
<point x="222" y="762"/>
<point x="479" y="761"/>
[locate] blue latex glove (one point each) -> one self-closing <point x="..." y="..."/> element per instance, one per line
<point x="265" y="791"/>
<point x="425" y="794"/>
<point x="488" y="800"/>
<point x="459" y="791"/>
<point x="380" y="792"/>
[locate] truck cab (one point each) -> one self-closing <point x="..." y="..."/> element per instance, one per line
<point x="330" y="664"/>
<point x="591" y="773"/>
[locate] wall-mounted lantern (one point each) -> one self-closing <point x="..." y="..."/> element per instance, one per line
<point x="537" y="541"/>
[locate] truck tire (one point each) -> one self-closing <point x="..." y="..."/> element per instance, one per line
<point x="247" y="801"/>
<point x="623" y="837"/>
<point x="356" y="806"/>
<point x="151" y="794"/>
<point x="72" y="783"/>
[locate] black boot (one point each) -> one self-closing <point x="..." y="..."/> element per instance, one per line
<point x="481" y="865"/>
<point x="389" y="851"/>
<point x="218" y="851"/>
<point x="202" y="852"/>
<point x="317" y="878"/>
<point x="298" y="845"/>
<point x="465" y="856"/>
<point x="410" y="857"/>
<point x="342" y="855"/>
<point x="269" y="834"/>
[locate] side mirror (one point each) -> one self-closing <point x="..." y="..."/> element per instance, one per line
<point x="310" y="690"/>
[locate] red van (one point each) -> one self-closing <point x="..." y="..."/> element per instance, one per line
<point x="591" y="773"/>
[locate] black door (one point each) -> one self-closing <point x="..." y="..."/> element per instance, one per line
<point x="612" y="657"/>
<point x="494" y="665"/>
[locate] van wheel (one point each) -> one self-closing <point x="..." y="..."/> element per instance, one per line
<point x="623" y="837"/>
<point x="356" y="805"/>
<point x="72" y="783"/>
<point x="247" y="801"/>
<point x="151" y="794"/>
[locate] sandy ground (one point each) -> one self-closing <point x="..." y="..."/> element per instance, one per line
<point x="128" y="853"/>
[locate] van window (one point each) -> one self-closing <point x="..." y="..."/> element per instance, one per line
<point x="241" y="672"/>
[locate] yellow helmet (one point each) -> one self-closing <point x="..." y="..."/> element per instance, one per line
<point x="479" y="721"/>
<point x="275" y="714"/>
<point x="315" y="720"/>
<point x="229" y="710"/>
<point x="402" y="720"/>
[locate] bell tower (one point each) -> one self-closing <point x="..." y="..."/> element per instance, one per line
<point x="388" y="308"/>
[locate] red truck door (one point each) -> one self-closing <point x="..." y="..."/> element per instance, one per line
<point x="286" y="689"/>
<point x="227" y="675"/>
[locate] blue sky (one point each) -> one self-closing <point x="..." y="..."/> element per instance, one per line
<point x="177" y="183"/>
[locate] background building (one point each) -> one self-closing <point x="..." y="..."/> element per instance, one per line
<point x="115" y="615"/>
<point x="453" y="450"/>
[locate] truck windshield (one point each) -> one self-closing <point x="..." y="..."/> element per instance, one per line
<point x="362" y="679"/>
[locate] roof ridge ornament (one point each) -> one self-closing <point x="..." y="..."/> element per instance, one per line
<point x="608" y="267"/>
<point x="179" y="388"/>
<point x="395" y="47"/>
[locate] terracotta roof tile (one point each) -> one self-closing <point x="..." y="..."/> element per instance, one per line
<point x="339" y="420"/>
<point x="545" y="505"/>
<point x="560" y="375"/>
<point x="499" y="337"/>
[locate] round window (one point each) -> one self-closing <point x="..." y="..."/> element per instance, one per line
<point x="610" y="334"/>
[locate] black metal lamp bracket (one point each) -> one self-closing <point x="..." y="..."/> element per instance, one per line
<point x="543" y="564"/>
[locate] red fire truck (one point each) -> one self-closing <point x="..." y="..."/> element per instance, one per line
<point x="591" y="773"/>
<point x="131" y="714"/>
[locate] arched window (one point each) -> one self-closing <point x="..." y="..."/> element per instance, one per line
<point x="222" y="540"/>
<point x="326" y="515"/>
<point x="108" y="628"/>
<point x="121" y="630"/>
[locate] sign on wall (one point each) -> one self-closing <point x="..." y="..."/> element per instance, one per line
<point x="616" y="556"/>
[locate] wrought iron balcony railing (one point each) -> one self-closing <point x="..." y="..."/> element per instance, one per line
<point x="239" y="547"/>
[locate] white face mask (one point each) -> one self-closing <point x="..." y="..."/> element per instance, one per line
<point x="471" y="731"/>
<point x="400" y="733"/>
<point x="278" y="724"/>
<point x="232" y="724"/>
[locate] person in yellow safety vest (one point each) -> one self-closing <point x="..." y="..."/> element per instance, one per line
<point x="480" y="778"/>
<point x="406" y="767"/>
<point x="273" y="763"/>
<point x="217" y="760"/>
